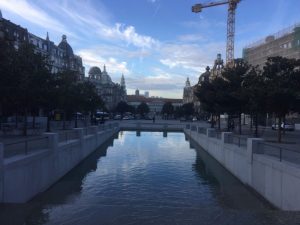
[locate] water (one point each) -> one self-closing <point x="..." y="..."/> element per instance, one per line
<point x="147" y="179"/>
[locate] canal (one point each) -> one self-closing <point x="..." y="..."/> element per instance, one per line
<point x="147" y="178"/>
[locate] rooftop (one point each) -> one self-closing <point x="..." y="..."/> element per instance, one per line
<point x="141" y="98"/>
<point x="275" y="36"/>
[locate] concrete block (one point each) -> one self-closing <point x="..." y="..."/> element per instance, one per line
<point x="253" y="145"/>
<point x="226" y="137"/>
<point x="52" y="141"/>
<point x="211" y="132"/>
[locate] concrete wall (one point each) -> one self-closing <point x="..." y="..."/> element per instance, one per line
<point x="157" y="126"/>
<point x="278" y="182"/>
<point x="24" y="176"/>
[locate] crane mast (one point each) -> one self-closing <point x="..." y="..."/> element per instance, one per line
<point x="232" y="4"/>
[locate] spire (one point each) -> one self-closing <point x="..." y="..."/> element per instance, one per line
<point x="123" y="85"/>
<point x="104" y="68"/>
<point x="47" y="37"/>
<point x="0" y="15"/>
<point x="123" y="81"/>
<point x="187" y="83"/>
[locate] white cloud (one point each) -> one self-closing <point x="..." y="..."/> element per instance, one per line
<point x="106" y="50"/>
<point x="33" y="14"/>
<point x="129" y="35"/>
<point x="191" y="38"/>
<point x="160" y="83"/>
<point x="204" y="24"/>
<point x="90" y="58"/>
<point x="92" y="21"/>
<point x="192" y="57"/>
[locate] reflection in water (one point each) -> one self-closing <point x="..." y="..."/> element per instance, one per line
<point x="63" y="191"/>
<point x="227" y="189"/>
<point x="165" y="134"/>
<point x="147" y="179"/>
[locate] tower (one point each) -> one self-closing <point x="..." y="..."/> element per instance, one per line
<point x="187" y="83"/>
<point x="187" y="92"/>
<point x="123" y="85"/>
<point x="123" y="82"/>
<point x="217" y="68"/>
<point x="137" y="92"/>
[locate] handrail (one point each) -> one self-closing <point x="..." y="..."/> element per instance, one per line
<point x="281" y="149"/>
<point x="9" y="151"/>
<point x="25" y="140"/>
<point x="239" y="138"/>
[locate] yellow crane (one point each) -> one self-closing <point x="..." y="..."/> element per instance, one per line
<point x="232" y="4"/>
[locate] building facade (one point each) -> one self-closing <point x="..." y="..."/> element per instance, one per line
<point x="155" y="104"/>
<point x="188" y="93"/>
<point x="285" y="43"/>
<point x="60" y="57"/>
<point x="110" y="92"/>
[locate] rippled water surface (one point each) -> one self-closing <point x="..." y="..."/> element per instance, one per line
<point x="147" y="178"/>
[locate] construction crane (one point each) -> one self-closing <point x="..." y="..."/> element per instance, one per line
<point x="232" y="4"/>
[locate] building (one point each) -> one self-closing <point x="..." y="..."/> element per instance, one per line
<point x="12" y="32"/>
<point x="146" y="94"/>
<point x="285" y="43"/>
<point x="206" y="76"/>
<point x="155" y="104"/>
<point x="110" y="92"/>
<point x="60" y="57"/>
<point x="188" y="93"/>
<point x="216" y="71"/>
<point x="123" y="85"/>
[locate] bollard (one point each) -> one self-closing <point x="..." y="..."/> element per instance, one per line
<point x="52" y="141"/>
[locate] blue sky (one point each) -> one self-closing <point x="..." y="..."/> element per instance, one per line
<point x="157" y="44"/>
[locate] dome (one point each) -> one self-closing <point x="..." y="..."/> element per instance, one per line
<point x="65" y="46"/>
<point x="105" y="79"/>
<point x="94" y="71"/>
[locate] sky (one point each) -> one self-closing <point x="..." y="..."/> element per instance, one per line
<point x="156" y="44"/>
